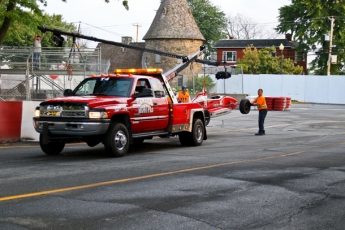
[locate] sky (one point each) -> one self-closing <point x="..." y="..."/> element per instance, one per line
<point x="111" y="21"/>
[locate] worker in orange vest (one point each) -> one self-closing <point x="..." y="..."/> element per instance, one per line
<point x="260" y="102"/>
<point x="183" y="96"/>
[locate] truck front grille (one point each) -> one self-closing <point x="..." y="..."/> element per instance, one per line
<point x="73" y="114"/>
<point x="64" y="110"/>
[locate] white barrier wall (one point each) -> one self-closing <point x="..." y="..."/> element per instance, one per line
<point x="27" y="128"/>
<point x="303" y="88"/>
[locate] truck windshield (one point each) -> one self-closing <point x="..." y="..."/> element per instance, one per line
<point x="105" y="86"/>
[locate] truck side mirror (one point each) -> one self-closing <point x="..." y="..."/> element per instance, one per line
<point x="67" y="92"/>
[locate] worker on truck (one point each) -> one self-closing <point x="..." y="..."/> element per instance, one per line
<point x="183" y="96"/>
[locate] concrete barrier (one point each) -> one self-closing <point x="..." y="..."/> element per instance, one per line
<point x="16" y="121"/>
<point x="27" y="129"/>
<point x="10" y="120"/>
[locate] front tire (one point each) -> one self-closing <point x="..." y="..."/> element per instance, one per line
<point x="116" y="141"/>
<point x="52" y="147"/>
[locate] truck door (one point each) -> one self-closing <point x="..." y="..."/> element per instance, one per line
<point x="144" y="108"/>
<point x="162" y="105"/>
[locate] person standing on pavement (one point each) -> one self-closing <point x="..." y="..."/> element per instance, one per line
<point x="260" y="102"/>
<point x="183" y="96"/>
<point x="37" y="50"/>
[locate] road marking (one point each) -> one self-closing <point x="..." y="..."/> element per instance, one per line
<point x="34" y="146"/>
<point x="15" y="147"/>
<point x="112" y="182"/>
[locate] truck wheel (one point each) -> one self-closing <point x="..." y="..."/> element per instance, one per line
<point x="245" y="106"/>
<point x="207" y="117"/>
<point x="116" y="141"/>
<point x="52" y="148"/>
<point x="198" y="133"/>
<point x="196" y="137"/>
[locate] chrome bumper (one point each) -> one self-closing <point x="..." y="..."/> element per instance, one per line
<point x="73" y="128"/>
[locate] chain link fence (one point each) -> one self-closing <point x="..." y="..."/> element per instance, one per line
<point x="24" y="78"/>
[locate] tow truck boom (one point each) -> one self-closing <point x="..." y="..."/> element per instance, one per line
<point x="166" y="77"/>
<point x="78" y="35"/>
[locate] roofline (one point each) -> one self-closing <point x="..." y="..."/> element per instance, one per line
<point x="289" y="43"/>
<point x="216" y="47"/>
<point x="252" y="39"/>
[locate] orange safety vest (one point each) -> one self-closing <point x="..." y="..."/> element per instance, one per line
<point x="261" y="103"/>
<point x="184" y="98"/>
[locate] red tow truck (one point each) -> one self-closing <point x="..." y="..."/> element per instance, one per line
<point x="119" y="110"/>
<point x="125" y="108"/>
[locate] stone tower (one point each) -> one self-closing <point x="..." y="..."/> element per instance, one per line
<point x="173" y="30"/>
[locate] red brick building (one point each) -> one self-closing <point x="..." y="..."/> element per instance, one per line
<point x="231" y="50"/>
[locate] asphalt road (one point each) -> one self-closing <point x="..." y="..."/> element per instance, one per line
<point x="291" y="178"/>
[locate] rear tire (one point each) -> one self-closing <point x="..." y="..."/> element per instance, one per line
<point x="196" y="137"/>
<point x="116" y="142"/>
<point x="53" y="147"/>
<point x="245" y="106"/>
<point x="198" y="133"/>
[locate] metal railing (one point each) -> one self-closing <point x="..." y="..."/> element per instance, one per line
<point x="57" y="69"/>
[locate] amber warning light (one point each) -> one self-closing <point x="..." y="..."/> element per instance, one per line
<point x="138" y="71"/>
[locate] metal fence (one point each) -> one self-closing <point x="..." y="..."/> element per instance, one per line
<point x="24" y="78"/>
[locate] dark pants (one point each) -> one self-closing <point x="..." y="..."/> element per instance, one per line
<point x="262" y="116"/>
<point x="37" y="59"/>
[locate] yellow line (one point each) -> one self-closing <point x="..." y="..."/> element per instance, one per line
<point x="33" y="146"/>
<point x="12" y="147"/>
<point x="21" y="196"/>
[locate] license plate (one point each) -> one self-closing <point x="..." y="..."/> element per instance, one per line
<point x="52" y="113"/>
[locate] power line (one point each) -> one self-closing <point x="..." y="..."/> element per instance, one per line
<point x="108" y="31"/>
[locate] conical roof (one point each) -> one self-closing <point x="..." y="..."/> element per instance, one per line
<point x="174" y="20"/>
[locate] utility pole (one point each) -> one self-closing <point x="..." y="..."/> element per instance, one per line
<point x="330" y="47"/>
<point x="137" y="25"/>
<point x="225" y="70"/>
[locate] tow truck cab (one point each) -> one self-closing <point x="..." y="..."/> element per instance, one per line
<point x="119" y="110"/>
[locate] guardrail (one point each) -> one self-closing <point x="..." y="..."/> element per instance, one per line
<point x="21" y="79"/>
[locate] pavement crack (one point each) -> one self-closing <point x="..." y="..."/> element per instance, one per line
<point x="178" y="214"/>
<point x="141" y="206"/>
<point x="323" y="195"/>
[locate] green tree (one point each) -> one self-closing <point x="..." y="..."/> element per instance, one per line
<point x="210" y="19"/>
<point x="308" y="22"/>
<point x="262" y="61"/>
<point x="19" y="12"/>
<point x="22" y="34"/>
<point x="199" y="84"/>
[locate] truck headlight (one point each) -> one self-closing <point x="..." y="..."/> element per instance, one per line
<point x="37" y="112"/>
<point x="97" y="114"/>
